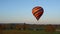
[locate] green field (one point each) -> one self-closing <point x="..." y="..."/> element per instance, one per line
<point x="27" y="32"/>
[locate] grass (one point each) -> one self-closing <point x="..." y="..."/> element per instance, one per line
<point x="27" y="32"/>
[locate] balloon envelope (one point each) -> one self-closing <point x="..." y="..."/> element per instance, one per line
<point x="37" y="12"/>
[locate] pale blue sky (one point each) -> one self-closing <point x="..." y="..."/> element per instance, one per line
<point x="20" y="11"/>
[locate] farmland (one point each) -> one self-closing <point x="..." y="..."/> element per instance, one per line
<point x="29" y="29"/>
<point x="27" y="32"/>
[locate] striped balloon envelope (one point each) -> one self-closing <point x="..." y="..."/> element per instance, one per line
<point x="37" y="12"/>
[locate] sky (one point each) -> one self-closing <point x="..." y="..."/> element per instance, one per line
<point x="20" y="11"/>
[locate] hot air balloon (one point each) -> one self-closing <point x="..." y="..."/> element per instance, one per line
<point x="37" y="12"/>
